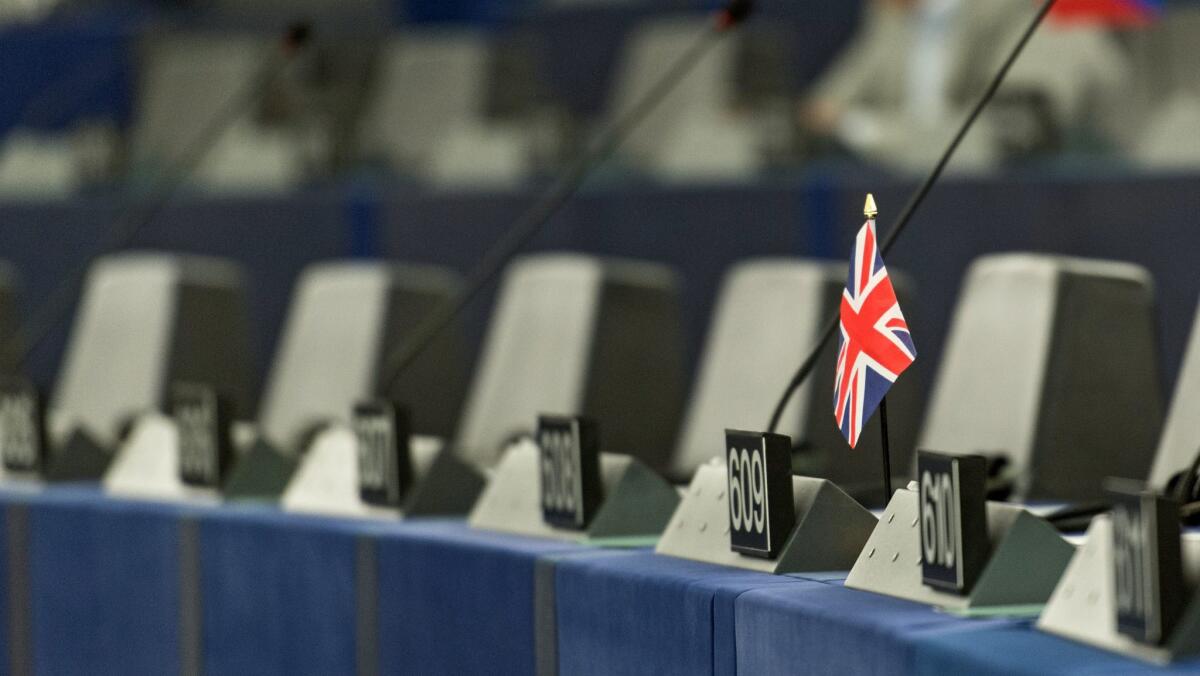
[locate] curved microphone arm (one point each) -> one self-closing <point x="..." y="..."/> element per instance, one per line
<point x="530" y="223"/>
<point x="914" y="203"/>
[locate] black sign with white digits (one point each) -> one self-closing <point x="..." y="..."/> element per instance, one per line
<point x="1148" y="566"/>
<point x="22" y="427"/>
<point x="203" y="420"/>
<point x="384" y="463"/>
<point x="761" y="504"/>
<point x="570" y="470"/>
<point x="953" y="521"/>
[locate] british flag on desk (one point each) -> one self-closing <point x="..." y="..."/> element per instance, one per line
<point x="875" y="345"/>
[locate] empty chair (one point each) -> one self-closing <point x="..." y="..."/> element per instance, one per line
<point x="767" y="318"/>
<point x="1052" y="363"/>
<point x="1158" y="107"/>
<point x="1170" y="60"/>
<point x="1072" y="80"/>
<point x="1168" y="141"/>
<point x="188" y="83"/>
<point x="694" y="132"/>
<point x="344" y="319"/>
<point x="428" y="114"/>
<point x="572" y="334"/>
<point x="147" y="320"/>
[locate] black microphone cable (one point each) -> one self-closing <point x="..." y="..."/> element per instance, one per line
<point x="134" y="218"/>
<point x="914" y="203"/>
<point x="531" y="222"/>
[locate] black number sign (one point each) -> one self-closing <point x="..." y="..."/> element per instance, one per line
<point x="761" y="505"/>
<point x="954" y="541"/>
<point x="384" y="462"/>
<point x="1148" y="566"/>
<point x="570" y="470"/>
<point x="22" y="427"/>
<point x="203" y="420"/>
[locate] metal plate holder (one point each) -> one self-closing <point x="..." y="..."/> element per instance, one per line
<point x="637" y="502"/>
<point x="326" y="482"/>
<point x="146" y="465"/>
<point x="1083" y="606"/>
<point x="1027" y="560"/>
<point x="830" y="529"/>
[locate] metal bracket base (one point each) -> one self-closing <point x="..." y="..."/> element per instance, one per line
<point x="326" y="481"/>
<point x="830" y="529"/>
<point x="637" y="502"/>
<point x="1083" y="606"/>
<point x="146" y="466"/>
<point x="1028" y="558"/>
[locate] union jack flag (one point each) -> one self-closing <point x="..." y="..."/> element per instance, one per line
<point x="875" y="345"/>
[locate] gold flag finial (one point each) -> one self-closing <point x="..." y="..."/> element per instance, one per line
<point x="869" y="209"/>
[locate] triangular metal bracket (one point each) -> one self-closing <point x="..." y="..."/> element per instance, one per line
<point x="637" y="502"/>
<point x="830" y="529"/>
<point x="326" y="481"/>
<point x="1083" y="606"/>
<point x="1028" y="557"/>
<point x="147" y="465"/>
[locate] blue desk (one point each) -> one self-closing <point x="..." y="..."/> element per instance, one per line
<point x="825" y="629"/>
<point x="1022" y="650"/>
<point x="637" y="613"/>
<point x="110" y="586"/>
<point x="11" y="583"/>
<point x="279" y="592"/>
<point x="453" y="600"/>
<point x="103" y="592"/>
<point x="289" y="594"/>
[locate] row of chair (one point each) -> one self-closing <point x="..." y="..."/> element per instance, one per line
<point x="1051" y="363"/>
<point x="454" y="108"/>
<point x="448" y="108"/>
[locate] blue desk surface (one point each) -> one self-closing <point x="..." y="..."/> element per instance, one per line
<point x="831" y="629"/>
<point x="636" y="613"/>
<point x="278" y="592"/>
<point x="282" y="593"/>
<point x="1023" y="650"/>
<point x="103" y="582"/>
<point x="453" y="600"/>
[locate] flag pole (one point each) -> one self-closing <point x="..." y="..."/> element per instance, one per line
<point x="887" y="460"/>
<point x="871" y="211"/>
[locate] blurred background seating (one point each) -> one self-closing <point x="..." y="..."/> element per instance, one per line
<point x="419" y="128"/>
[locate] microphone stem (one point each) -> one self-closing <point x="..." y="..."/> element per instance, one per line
<point x="531" y="222"/>
<point x="915" y="202"/>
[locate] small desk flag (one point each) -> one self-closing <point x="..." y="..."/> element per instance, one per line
<point x="875" y="345"/>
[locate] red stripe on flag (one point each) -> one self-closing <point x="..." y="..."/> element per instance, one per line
<point x="867" y="262"/>
<point x="1125" y="13"/>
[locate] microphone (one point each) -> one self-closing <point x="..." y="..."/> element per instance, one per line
<point x="531" y="222"/>
<point x="806" y="367"/>
<point x="131" y="220"/>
